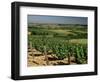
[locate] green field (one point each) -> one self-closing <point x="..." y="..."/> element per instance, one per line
<point x="60" y="39"/>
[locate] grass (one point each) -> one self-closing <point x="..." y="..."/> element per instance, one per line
<point x="61" y="31"/>
<point x="79" y="41"/>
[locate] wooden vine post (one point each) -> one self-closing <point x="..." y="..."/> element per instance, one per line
<point x="69" y="58"/>
<point x="46" y="56"/>
<point x="31" y="49"/>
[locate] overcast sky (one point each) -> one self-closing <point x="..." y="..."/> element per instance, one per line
<point x="57" y="19"/>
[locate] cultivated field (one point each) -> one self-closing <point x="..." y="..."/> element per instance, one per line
<point x="57" y="44"/>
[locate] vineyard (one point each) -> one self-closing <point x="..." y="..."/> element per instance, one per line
<point x="56" y="46"/>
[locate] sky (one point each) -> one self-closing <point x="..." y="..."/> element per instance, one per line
<point x="56" y="19"/>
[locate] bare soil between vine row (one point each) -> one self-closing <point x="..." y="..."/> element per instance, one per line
<point x="36" y="58"/>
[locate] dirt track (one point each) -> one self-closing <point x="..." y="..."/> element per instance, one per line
<point x="36" y="58"/>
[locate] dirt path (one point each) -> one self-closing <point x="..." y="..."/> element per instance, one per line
<point x="38" y="59"/>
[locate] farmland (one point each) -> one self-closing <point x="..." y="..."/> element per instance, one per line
<point x="57" y="44"/>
